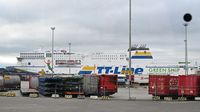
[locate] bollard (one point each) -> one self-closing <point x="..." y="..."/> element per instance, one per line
<point x="33" y="95"/>
<point x="168" y="98"/>
<point x="105" y="98"/>
<point x="10" y="94"/>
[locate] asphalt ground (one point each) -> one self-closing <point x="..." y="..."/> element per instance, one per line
<point x="118" y="103"/>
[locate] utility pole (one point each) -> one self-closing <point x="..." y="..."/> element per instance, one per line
<point x="186" y="50"/>
<point x="129" y="73"/>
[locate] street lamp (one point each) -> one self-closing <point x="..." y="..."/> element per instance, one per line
<point x="129" y="73"/>
<point x="52" y="28"/>
<point x="187" y="18"/>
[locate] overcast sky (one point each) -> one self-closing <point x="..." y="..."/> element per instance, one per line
<point x="92" y="25"/>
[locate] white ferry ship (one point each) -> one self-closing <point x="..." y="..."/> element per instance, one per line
<point x="106" y="62"/>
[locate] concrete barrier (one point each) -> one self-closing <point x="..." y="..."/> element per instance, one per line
<point x="94" y="97"/>
<point x="105" y="98"/>
<point x="33" y="95"/>
<point x="182" y="98"/>
<point x="156" y="98"/>
<point x="168" y="98"/>
<point x="55" y="96"/>
<point x="81" y="96"/>
<point x="68" y="96"/>
<point x="3" y="93"/>
<point x="10" y="94"/>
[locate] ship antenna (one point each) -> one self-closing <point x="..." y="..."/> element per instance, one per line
<point x="52" y="68"/>
<point x="69" y="57"/>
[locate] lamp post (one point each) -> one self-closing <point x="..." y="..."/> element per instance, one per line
<point x="129" y="73"/>
<point x="186" y="52"/>
<point x="187" y="18"/>
<point x="52" y="28"/>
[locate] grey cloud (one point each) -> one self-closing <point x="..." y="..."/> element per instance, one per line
<point x="98" y="24"/>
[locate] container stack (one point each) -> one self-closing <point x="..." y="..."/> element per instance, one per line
<point x="73" y="85"/>
<point x="102" y="85"/>
<point x="50" y="85"/>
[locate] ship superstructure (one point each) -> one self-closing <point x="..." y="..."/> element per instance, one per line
<point x="112" y="60"/>
<point x="101" y="62"/>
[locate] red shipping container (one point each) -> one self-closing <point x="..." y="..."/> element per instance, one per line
<point x="189" y="85"/>
<point x="163" y="85"/>
<point x="108" y="84"/>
